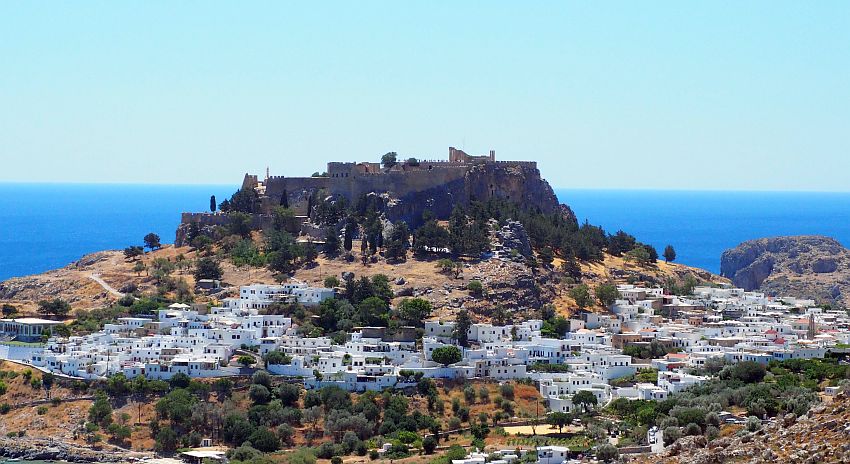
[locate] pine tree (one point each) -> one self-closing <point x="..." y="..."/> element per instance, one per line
<point x="669" y="254"/>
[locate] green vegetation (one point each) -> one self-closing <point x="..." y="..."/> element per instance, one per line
<point x="669" y="254"/>
<point x="783" y="387"/>
<point x="446" y="355"/>
<point x="651" y="350"/>
<point x="607" y="294"/>
<point x="581" y="295"/>
<point x="54" y="308"/>
<point x="152" y="241"/>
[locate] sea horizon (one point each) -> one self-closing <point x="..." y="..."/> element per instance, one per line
<point x="47" y="225"/>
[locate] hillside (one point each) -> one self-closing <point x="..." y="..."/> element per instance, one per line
<point x="512" y="284"/>
<point x="813" y="267"/>
<point x="818" y="437"/>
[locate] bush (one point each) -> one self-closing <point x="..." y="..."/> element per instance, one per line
<point x="692" y="430"/>
<point x="745" y="371"/>
<point x="264" y="440"/>
<point x="166" y="440"/>
<point x="259" y="394"/>
<point x="753" y="424"/>
<point x="469" y="394"/>
<point x="507" y="391"/>
<point x="429" y="444"/>
<point x="607" y="453"/>
<point x="302" y="456"/>
<point x="671" y="434"/>
<point x="326" y="450"/>
<point x="475" y="288"/>
<point x="42" y="410"/>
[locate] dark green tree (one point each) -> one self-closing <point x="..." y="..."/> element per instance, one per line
<point x="585" y="399"/>
<point x="559" y="419"/>
<point x="446" y="355"/>
<point x="207" y="268"/>
<point x="331" y="247"/>
<point x="212" y="203"/>
<point x="462" y="324"/>
<point x="581" y="295"/>
<point x="55" y="307"/>
<point x="389" y="159"/>
<point x="607" y="294"/>
<point x="413" y="311"/>
<point x="152" y="241"/>
<point x="133" y="252"/>
<point x="669" y="254"/>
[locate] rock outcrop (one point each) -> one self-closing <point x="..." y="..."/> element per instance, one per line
<point x="806" y="266"/>
<point x="818" y="437"/>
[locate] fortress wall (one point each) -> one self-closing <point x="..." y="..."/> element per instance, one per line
<point x="399" y="183"/>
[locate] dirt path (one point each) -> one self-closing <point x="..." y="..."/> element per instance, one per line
<point x="106" y="286"/>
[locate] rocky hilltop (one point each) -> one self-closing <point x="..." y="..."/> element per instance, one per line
<point x="403" y="190"/>
<point x="807" y="266"/>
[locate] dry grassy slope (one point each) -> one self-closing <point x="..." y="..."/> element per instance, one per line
<point x="58" y="422"/>
<point x="819" y="437"/>
<point x="74" y="284"/>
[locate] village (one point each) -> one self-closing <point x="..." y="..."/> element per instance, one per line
<point x="681" y="334"/>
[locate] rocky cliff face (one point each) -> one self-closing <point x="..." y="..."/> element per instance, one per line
<point x="804" y="266"/>
<point x="521" y="184"/>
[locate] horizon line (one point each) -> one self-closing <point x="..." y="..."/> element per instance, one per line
<point x="590" y="189"/>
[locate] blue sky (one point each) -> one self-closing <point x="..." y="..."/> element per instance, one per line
<point x="684" y="95"/>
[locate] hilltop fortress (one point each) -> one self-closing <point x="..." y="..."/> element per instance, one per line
<point x="408" y="187"/>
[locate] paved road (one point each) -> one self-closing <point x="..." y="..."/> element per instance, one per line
<point x="106" y="286"/>
<point x="658" y="445"/>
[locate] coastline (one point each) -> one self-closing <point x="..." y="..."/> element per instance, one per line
<point x="50" y="449"/>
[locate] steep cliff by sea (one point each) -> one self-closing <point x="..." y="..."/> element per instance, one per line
<point x="809" y="266"/>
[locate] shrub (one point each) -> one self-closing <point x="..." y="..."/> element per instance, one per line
<point x="753" y="424"/>
<point x="507" y="391"/>
<point x="469" y="394"/>
<point x="607" y="453"/>
<point x="475" y="288"/>
<point x="259" y="394"/>
<point x="692" y="429"/>
<point x="42" y="410"/>
<point x="429" y="444"/>
<point x="264" y="440"/>
<point x="671" y="434"/>
<point x="302" y="456"/>
<point x="262" y="378"/>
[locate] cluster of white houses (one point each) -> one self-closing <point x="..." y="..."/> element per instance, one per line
<point x="715" y="322"/>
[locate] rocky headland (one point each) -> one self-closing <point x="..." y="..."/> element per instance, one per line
<point x="806" y="266"/>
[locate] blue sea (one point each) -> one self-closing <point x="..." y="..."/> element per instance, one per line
<point x="702" y="224"/>
<point x="45" y="226"/>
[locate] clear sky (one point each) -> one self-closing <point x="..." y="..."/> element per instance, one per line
<point x="690" y="95"/>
